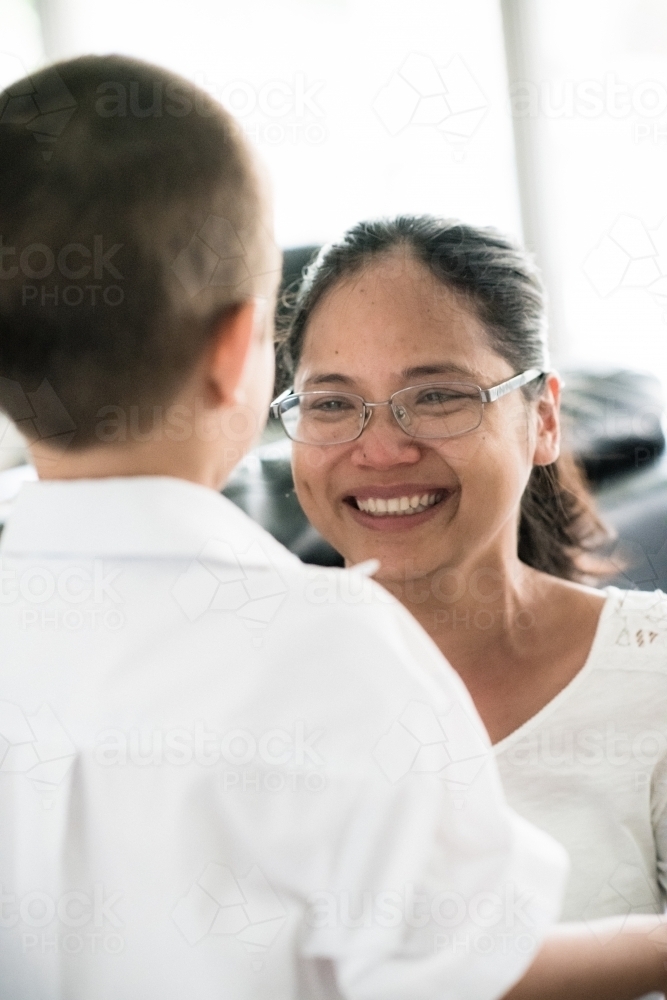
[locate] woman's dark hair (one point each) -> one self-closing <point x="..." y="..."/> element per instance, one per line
<point x="559" y="529"/>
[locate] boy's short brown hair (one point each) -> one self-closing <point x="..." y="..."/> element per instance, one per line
<point x="131" y="218"/>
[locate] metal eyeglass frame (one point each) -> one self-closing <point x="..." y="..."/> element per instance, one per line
<point x="486" y="395"/>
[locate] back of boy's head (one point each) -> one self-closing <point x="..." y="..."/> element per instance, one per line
<point x="131" y="219"/>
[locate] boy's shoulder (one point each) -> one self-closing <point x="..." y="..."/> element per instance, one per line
<point x="196" y="577"/>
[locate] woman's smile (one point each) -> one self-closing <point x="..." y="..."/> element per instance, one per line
<point x="396" y="507"/>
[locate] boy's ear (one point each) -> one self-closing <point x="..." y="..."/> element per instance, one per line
<point x="547" y="445"/>
<point x="231" y="343"/>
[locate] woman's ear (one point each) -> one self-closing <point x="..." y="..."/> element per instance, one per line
<point x="547" y="443"/>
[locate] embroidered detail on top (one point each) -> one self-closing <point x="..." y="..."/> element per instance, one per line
<point x="638" y="637"/>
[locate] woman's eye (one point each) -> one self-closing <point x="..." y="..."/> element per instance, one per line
<point x="438" y="396"/>
<point x="333" y="405"/>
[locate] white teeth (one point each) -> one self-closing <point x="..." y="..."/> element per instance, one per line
<point x="400" y="506"/>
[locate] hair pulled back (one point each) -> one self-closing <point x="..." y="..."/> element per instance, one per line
<point x="559" y="529"/>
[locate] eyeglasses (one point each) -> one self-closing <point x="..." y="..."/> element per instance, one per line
<point x="437" y="410"/>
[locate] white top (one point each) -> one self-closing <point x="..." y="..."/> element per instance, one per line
<point x="225" y="774"/>
<point x="591" y="766"/>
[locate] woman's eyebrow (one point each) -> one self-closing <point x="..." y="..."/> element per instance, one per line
<point x="421" y="371"/>
<point x="329" y="377"/>
<point x="415" y="372"/>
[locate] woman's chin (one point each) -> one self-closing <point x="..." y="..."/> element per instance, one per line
<point x="393" y="570"/>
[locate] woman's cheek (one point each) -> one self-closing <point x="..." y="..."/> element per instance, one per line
<point x="310" y="487"/>
<point x="464" y="453"/>
<point x="308" y="461"/>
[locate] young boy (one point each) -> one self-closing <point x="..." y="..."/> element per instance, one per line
<point x="222" y="774"/>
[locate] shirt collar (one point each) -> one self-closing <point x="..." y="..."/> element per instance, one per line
<point x="132" y="516"/>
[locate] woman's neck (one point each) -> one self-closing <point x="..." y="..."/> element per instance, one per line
<point x="516" y="638"/>
<point x="469" y="608"/>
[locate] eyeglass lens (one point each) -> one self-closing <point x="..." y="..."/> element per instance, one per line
<point x="429" y="411"/>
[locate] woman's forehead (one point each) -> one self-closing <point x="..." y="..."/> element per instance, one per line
<point x="402" y="315"/>
<point x="402" y="286"/>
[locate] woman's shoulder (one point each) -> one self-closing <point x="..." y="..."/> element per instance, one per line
<point x="633" y="629"/>
<point x="649" y="604"/>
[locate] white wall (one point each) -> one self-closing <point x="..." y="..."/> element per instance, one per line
<point x="308" y="80"/>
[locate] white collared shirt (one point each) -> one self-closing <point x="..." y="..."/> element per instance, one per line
<point x="226" y="774"/>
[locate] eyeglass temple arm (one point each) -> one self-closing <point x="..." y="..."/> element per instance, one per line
<point x="496" y="391"/>
<point x="274" y="407"/>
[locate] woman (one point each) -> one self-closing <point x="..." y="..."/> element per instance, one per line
<point x="483" y="531"/>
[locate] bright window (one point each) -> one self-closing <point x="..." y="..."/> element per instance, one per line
<point x="598" y="97"/>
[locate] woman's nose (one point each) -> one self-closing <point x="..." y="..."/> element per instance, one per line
<point x="383" y="443"/>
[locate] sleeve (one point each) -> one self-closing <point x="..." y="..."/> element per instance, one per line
<point x="432" y="901"/>
<point x="438" y="890"/>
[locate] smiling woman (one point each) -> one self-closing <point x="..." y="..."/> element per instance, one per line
<point x="472" y="281"/>
<point x="434" y="447"/>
